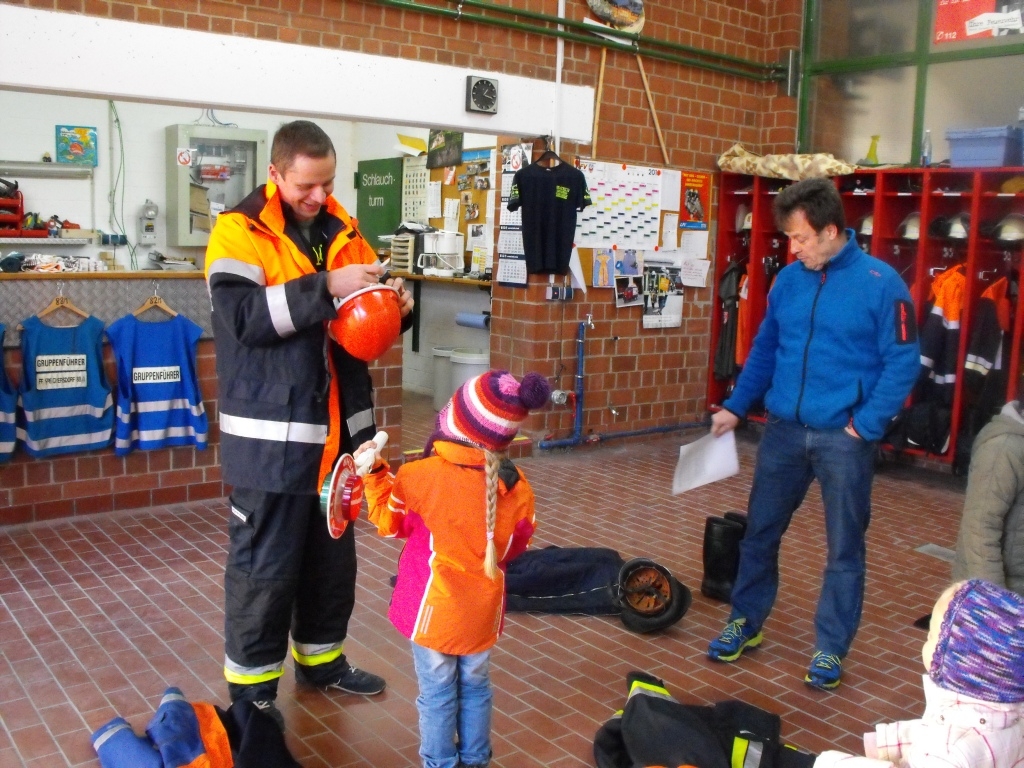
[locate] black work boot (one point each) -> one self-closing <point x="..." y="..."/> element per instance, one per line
<point x="722" y="538"/>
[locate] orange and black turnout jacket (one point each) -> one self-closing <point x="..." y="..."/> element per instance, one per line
<point x="286" y="389"/>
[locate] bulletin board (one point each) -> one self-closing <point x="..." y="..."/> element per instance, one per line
<point x="642" y="214"/>
<point x="467" y="190"/>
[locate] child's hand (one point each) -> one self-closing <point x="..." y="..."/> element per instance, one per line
<point x="367" y="456"/>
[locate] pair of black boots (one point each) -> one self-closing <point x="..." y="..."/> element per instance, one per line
<point x="722" y="536"/>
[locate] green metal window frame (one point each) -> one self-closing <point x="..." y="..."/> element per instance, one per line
<point x="921" y="58"/>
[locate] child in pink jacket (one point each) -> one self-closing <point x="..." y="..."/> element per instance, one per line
<point x="974" y="689"/>
<point x="464" y="510"/>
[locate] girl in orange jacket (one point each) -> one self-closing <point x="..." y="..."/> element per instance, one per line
<point x="466" y="510"/>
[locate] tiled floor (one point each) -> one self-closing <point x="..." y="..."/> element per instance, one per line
<point x="99" y="614"/>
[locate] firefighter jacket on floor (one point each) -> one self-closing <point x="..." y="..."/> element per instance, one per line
<point x="66" y="405"/>
<point x="940" y="336"/>
<point x="8" y="402"/>
<point x="159" y="404"/>
<point x="194" y="735"/>
<point x="279" y="373"/>
<point x="654" y="729"/>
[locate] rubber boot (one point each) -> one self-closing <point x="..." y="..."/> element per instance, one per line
<point x="721" y="557"/>
<point x="737" y="517"/>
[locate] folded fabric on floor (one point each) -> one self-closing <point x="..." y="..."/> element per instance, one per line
<point x="580" y="580"/>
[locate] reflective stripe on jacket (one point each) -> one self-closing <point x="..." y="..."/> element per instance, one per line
<point x="278" y="372"/>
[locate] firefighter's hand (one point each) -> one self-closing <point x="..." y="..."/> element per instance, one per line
<point x="354" y="277"/>
<point x="723" y="421"/>
<point x="405" y="300"/>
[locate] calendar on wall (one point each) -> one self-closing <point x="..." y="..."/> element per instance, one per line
<point x="511" y="253"/>
<point x="626" y="206"/>
<point x="415" y="181"/>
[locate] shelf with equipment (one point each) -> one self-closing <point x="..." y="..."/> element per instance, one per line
<point x="50" y="242"/>
<point x="923" y="223"/>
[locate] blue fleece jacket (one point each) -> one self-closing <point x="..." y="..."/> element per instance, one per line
<point x="834" y="345"/>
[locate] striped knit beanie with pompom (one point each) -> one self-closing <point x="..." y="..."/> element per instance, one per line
<point x="487" y="410"/>
<point x="980" y="650"/>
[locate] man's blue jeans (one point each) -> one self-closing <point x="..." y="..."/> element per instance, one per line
<point x="455" y="700"/>
<point x="789" y="458"/>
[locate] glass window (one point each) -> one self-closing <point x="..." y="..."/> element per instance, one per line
<point x="851" y="29"/>
<point x="846" y="110"/>
<point x="981" y="93"/>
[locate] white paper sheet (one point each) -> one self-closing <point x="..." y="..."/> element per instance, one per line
<point x="704" y="461"/>
<point x="434" y="200"/>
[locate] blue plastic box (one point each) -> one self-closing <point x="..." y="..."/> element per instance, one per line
<point x="985" y="147"/>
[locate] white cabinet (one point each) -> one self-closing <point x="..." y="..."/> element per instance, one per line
<point x="209" y="166"/>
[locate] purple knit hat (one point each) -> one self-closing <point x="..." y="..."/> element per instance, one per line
<point x="487" y="410"/>
<point x="980" y="650"/>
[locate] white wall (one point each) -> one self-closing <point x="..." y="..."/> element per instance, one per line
<point x="63" y="52"/>
<point x="27" y="123"/>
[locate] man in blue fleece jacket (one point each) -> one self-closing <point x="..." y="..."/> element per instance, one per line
<point x="834" y="359"/>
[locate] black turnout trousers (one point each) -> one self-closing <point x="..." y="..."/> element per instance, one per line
<point x="284" y="573"/>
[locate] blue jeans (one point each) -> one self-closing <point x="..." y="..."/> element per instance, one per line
<point x="789" y="458"/>
<point x="454" y="701"/>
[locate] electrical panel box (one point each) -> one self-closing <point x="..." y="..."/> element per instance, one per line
<point x="210" y="168"/>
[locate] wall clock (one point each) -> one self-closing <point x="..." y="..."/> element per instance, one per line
<point x="481" y="94"/>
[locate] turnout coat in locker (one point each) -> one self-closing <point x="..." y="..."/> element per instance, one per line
<point x="278" y="371"/>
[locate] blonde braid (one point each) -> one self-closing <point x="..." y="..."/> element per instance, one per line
<point x="493" y="462"/>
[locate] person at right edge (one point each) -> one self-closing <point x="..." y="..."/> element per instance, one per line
<point x="290" y="401"/>
<point x="834" y="359"/>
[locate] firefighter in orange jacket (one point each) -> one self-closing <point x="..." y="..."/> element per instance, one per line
<point x="290" y="401"/>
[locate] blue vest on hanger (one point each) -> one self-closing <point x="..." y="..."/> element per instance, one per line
<point x="158" y="399"/>
<point x="8" y="400"/>
<point x="66" y="404"/>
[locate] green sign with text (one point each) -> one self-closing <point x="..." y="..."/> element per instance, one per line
<point x="378" y="198"/>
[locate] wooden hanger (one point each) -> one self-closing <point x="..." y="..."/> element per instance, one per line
<point x="154" y="302"/>
<point x="60" y="301"/>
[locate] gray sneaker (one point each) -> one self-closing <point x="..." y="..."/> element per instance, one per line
<point x="348" y="679"/>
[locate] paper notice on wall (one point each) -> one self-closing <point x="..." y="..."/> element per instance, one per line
<point x="694" y="272"/>
<point x="451" y="214"/>
<point x="669" y="231"/>
<point x="671" y="185"/>
<point x="434" y="200"/>
<point x="576" y="271"/>
<point x="693" y="243"/>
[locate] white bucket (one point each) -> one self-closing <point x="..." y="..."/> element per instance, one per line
<point x="442" y="376"/>
<point x="468" y="362"/>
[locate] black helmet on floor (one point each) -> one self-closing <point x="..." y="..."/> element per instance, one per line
<point x="651" y="598"/>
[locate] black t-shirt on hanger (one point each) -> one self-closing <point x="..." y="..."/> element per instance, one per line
<point x="550" y="199"/>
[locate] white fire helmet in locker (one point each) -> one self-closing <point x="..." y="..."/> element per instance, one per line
<point x="1011" y="228"/>
<point x="910" y="227"/>
<point x="960" y="226"/>
<point x="744" y="218"/>
<point x="867" y="225"/>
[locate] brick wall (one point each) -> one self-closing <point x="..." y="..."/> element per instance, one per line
<point x="652" y="378"/>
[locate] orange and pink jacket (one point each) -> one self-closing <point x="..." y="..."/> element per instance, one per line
<point x="443" y="600"/>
